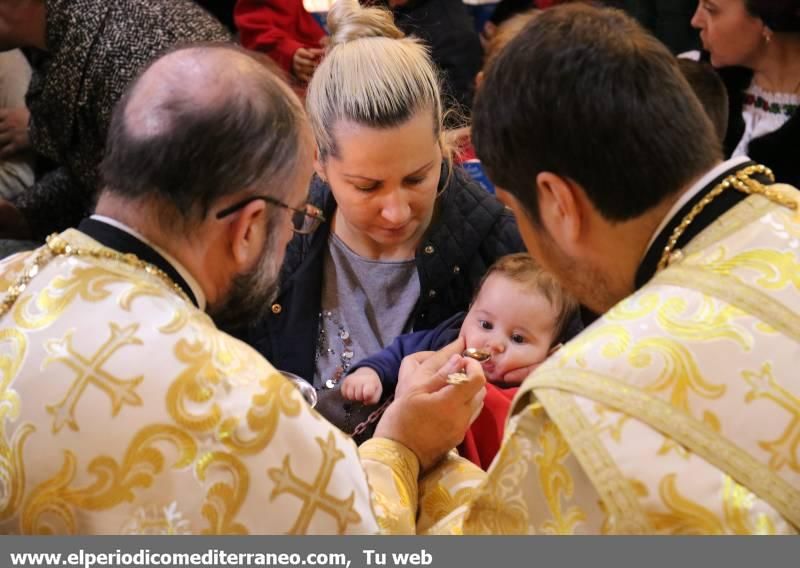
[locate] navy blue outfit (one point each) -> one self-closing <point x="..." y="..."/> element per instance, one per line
<point x="387" y="362"/>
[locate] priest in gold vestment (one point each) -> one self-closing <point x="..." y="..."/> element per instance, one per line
<point x="678" y="411"/>
<point x="123" y="409"/>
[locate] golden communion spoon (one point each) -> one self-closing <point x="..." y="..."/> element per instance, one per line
<point x="477" y="354"/>
<point x="473" y="353"/>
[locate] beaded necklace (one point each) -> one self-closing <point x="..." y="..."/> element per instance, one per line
<point x="56" y="246"/>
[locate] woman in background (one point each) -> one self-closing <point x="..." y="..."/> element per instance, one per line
<point x="755" y="44"/>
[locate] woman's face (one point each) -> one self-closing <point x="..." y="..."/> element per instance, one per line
<point x="385" y="181"/>
<point x="729" y="32"/>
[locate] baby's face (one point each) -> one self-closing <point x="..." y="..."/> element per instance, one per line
<point x="514" y="324"/>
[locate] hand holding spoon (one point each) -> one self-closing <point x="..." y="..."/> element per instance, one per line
<point x="473" y="353"/>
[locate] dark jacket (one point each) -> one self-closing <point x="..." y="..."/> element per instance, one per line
<point x="448" y="28"/>
<point x="469" y="231"/>
<point x="668" y="20"/>
<point x="94" y="49"/>
<point x="221" y="10"/>
<point x="777" y="150"/>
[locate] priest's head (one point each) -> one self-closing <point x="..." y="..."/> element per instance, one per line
<point x="209" y="156"/>
<point x="590" y="131"/>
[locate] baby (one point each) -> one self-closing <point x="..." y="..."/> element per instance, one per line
<point x="520" y="315"/>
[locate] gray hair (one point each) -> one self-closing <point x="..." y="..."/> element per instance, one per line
<point x="201" y="123"/>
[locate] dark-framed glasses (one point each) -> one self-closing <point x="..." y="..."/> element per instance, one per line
<point x="305" y="220"/>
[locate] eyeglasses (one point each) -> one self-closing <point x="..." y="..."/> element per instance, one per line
<point x="304" y="221"/>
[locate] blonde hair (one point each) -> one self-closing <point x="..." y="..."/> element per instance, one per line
<point x="522" y="269"/>
<point x="371" y="75"/>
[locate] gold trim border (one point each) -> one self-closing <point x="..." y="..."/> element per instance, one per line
<point x="615" y="491"/>
<point x="691" y="433"/>
<point x="749" y="210"/>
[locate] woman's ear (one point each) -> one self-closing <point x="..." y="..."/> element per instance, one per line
<point x="319" y="166"/>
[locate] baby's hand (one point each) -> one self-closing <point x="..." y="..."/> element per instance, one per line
<point x="363" y="385"/>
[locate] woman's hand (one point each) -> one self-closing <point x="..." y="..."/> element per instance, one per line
<point x="14" y="131"/>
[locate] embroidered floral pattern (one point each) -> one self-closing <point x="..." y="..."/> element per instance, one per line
<point x="760" y="102"/>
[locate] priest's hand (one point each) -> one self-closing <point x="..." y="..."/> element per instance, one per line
<point x="429" y="416"/>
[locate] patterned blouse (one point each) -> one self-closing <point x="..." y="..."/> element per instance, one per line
<point x="764" y="112"/>
<point x="94" y="49"/>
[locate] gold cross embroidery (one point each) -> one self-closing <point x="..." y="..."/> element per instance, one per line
<point x="90" y="371"/>
<point x="784" y="450"/>
<point x="314" y="495"/>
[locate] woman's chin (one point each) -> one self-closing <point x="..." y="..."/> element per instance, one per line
<point x="394" y="236"/>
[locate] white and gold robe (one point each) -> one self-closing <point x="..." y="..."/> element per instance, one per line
<point x="123" y="409"/>
<point x="678" y="412"/>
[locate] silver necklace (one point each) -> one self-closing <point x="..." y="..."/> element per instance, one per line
<point x="325" y="347"/>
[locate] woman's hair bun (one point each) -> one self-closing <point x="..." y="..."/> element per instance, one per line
<point x="349" y="21"/>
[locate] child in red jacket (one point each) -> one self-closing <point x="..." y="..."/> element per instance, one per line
<point x="283" y="30"/>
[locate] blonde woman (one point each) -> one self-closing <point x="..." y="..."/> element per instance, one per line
<point x="407" y="238"/>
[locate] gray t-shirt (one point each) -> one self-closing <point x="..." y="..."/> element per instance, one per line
<point x="365" y="305"/>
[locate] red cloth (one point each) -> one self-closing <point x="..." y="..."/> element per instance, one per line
<point x="277" y="28"/>
<point x="465" y="152"/>
<point x="483" y="439"/>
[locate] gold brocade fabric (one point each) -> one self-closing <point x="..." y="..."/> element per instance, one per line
<point x="678" y="412"/>
<point x="124" y="410"/>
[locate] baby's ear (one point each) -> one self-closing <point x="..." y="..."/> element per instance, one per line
<point x="555" y="348"/>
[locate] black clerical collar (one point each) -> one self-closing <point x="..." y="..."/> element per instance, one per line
<point x="710" y="213"/>
<point x="126" y="243"/>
